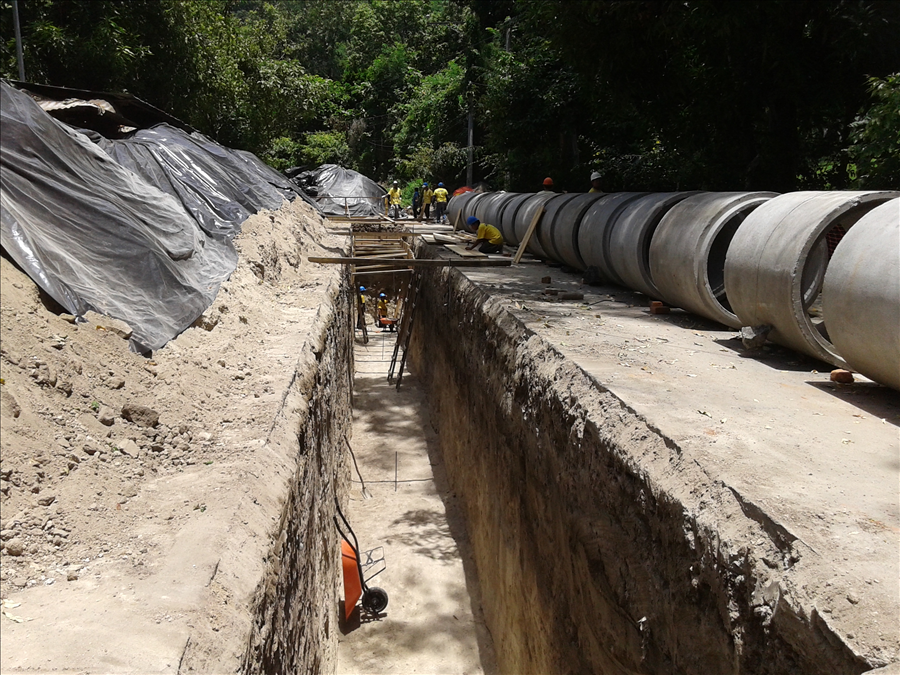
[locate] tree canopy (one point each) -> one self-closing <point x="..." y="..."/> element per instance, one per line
<point x="655" y="95"/>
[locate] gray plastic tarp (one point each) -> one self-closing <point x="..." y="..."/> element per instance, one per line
<point x="95" y="235"/>
<point x="218" y="186"/>
<point x="338" y="191"/>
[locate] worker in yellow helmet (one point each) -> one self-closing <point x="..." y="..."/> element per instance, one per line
<point x="394" y="197"/>
<point x="488" y="236"/>
<point x="440" y="202"/>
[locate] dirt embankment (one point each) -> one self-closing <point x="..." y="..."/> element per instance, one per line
<point x="149" y="504"/>
<point x="600" y="547"/>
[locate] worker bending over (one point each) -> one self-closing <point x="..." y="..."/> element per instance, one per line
<point x="487" y="235"/>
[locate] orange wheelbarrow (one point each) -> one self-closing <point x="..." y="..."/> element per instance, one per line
<point x="358" y="572"/>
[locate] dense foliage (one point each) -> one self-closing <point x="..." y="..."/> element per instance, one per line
<point x="697" y="94"/>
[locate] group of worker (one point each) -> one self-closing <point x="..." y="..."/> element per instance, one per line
<point x="386" y="322"/>
<point x="488" y="238"/>
<point x="421" y="202"/>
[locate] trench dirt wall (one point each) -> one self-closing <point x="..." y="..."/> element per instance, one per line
<point x="599" y="547"/>
<point x="295" y="605"/>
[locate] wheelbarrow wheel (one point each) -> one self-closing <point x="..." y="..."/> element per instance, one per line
<point x="375" y="600"/>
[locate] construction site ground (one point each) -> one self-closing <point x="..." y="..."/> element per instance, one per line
<point x="127" y="547"/>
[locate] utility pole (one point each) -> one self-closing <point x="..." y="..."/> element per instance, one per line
<point x="15" y="4"/>
<point x="471" y="147"/>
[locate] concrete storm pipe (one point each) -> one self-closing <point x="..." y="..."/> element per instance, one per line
<point x="596" y="229"/>
<point x="507" y="222"/>
<point x="632" y="233"/>
<point x="861" y="295"/>
<point x="687" y="253"/>
<point x="462" y="203"/>
<point x="777" y="261"/>
<point x="524" y="216"/>
<point x="544" y="232"/>
<point x="489" y="209"/>
<point x="562" y="242"/>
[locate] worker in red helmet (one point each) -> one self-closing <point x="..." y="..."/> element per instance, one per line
<point x="548" y="185"/>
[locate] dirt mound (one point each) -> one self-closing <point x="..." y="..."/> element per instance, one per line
<point x="106" y="457"/>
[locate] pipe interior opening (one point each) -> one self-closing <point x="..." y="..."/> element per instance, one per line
<point x="816" y="265"/>
<point x="715" y="261"/>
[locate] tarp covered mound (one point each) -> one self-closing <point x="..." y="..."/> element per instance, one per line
<point x="96" y="236"/>
<point x="338" y="191"/>
<point x="218" y="186"/>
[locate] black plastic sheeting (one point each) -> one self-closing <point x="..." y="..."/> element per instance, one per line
<point x="219" y="187"/>
<point x="96" y="235"/>
<point x="338" y="191"/>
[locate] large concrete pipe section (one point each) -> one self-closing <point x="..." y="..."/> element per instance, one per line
<point x="524" y="216"/>
<point x="543" y="235"/>
<point x="777" y="261"/>
<point x="561" y="233"/>
<point x="861" y="295"/>
<point x="464" y="203"/>
<point x="632" y="233"/>
<point x="489" y="209"/>
<point x="596" y="229"/>
<point x="507" y="222"/>
<point x="687" y="252"/>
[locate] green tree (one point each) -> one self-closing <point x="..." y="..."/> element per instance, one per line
<point x="875" y="152"/>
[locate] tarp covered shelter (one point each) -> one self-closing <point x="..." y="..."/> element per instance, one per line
<point x="342" y="192"/>
<point x="138" y="229"/>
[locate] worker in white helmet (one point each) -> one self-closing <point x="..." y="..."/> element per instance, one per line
<point x="394" y="197"/>
<point x="595" y="182"/>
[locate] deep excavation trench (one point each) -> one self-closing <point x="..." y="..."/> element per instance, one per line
<point x="586" y="560"/>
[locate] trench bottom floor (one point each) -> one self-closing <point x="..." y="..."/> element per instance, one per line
<point x="433" y="622"/>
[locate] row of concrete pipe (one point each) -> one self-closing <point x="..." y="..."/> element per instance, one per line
<point x="820" y="271"/>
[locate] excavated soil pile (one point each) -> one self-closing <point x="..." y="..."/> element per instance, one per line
<point x="175" y="511"/>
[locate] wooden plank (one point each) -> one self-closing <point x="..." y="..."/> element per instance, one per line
<point x="390" y="271"/>
<point x="413" y="262"/>
<point x="382" y="235"/>
<point x="459" y="249"/>
<point x="528" y="233"/>
<point x="391" y="255"/>
<point x="446" y="238"/>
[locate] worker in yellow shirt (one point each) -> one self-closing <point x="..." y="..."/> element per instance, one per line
<point x="488" y="236"/>
<point x="394" y="197"/>
<point x="387" y="324"/>
<point x="595" y="182"/>
<point x="440" y="202"/>
<point x="427" y="198"/>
